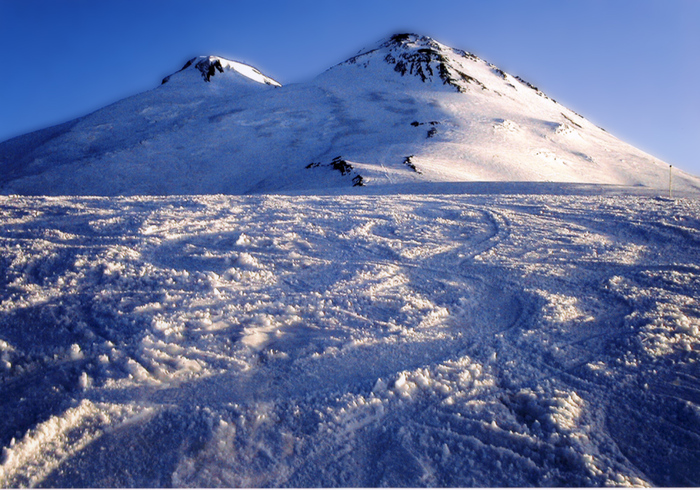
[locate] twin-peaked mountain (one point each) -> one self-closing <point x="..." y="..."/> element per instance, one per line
<point x="409" y="110"/>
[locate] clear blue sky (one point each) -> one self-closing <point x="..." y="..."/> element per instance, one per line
<point x="632" y="67"/>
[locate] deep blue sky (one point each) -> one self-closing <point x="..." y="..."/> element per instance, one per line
<point x="632" y="67"/>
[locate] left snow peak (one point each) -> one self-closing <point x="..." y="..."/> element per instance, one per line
<point x="209" y="66"/>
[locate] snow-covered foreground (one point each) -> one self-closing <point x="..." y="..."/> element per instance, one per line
<point x="353" y="340"/>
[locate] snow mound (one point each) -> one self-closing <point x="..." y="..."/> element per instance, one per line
<point x="506" y="126"/>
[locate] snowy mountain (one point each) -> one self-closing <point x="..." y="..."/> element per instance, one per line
<point x="409" y="110"/>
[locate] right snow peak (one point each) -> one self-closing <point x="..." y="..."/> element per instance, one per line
<point x="409" y="110"/>
<point x="431" y="61"/>
<point x="422" y="57"/>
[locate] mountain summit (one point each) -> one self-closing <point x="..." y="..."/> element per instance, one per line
<point x="409" y="110"/>
<point x="207" y="67"/>
<point x="432" y="62"/>
<point x="421" y="57"/>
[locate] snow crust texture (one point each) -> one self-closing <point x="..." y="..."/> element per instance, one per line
<point x="500" y="339"/>
<point x="220" y="126"/>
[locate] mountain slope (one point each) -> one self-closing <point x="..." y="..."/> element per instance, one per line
<point x="476" y="122"/>
<point x="408" y="110"/>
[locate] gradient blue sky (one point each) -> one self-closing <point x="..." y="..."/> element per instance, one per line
<point x="632" y="67"/>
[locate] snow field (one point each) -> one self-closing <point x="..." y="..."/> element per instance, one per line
<point x="388" y="340"/>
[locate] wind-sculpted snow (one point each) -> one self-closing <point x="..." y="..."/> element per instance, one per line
<point x="388" y="340"/>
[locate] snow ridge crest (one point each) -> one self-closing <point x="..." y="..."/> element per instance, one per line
<point x="209" y="66"/>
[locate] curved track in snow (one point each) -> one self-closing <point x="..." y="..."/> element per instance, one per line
<point x="441" y="340"/>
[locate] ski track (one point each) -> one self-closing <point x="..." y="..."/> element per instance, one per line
<point x="404" y="340"/>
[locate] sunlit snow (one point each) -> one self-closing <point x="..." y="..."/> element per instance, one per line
<point x="426" y="339"/>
